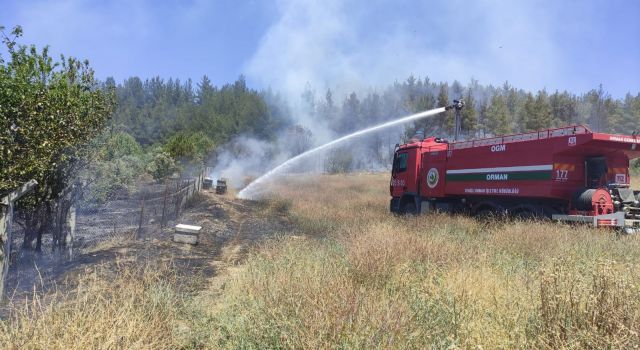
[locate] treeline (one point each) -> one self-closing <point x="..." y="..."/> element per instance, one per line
<point x="489" y="110"/>
<point x="188" y="124"/>
<point x="155" y="110"/>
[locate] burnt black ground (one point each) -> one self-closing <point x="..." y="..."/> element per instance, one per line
<point x="230" y="228"/>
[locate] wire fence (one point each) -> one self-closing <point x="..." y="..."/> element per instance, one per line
<point x="143" y="214"/>
<point x="148" y="211"/>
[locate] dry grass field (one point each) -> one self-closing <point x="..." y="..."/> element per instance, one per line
<point x="350" y="275"/>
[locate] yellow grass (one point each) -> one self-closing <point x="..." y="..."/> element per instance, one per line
<point x="351" y="275"/>
<point x="370" y="279"/>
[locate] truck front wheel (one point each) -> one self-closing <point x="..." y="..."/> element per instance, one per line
<point x="409" y="208"/>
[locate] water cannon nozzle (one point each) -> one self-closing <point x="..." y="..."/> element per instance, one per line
<point x="457" y="104"/>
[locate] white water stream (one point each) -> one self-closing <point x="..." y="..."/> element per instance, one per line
<point x="251" y="190"/>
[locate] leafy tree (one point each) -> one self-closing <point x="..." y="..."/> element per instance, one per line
<point x="161" y="164"/>
<point x="297" y="140"/>
<point x="49" y="110"/>
<point x="339" y="160"/>
<point x="190" y="148"/>
<point x="482" y="117"/>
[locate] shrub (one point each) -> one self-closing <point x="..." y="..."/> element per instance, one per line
<point x="160" y="165"/>
<point x="191" y="148"/>
<point x="121" y="144"/>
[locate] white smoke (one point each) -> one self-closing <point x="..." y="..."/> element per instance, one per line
<point x="354" y="45"/>
<point x="243" y="156"/>
<point x="348" y="46"/>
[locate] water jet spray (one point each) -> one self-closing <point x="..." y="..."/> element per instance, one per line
<point x="250" y="191"/>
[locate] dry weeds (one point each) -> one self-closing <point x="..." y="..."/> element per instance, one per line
<point x="368" y="279"/>
<point x="351" y="275"/>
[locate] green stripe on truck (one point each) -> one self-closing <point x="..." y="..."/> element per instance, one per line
<point x="498" y="176"/>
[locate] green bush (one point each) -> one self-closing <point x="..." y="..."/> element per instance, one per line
<point x="161" y="165"/>
<point x="113" y="178"/>
<point x="190" y="148"/>
<point x="121" y="144"/>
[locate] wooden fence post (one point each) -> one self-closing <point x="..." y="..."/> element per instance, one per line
<point x="71" y="230"/>
<point x="6" y="218"/>
<point x="5" y="243"/>
<point x="164" y="205"/>
<point x="175" y="197"/>
<point x="141" y="217"/>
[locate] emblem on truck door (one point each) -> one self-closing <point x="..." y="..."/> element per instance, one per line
<point x="432" y="178"/>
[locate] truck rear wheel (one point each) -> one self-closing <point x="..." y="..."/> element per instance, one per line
<point x="531" y="212"/>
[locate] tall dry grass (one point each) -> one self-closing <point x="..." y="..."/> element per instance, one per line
<point x="351" y="275"/>
<point x="363" y="278"/>
<point x="135" y="307"/>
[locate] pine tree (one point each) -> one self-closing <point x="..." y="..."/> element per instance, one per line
<point x="328" y="110"/>
<point x="498" y="120"/>
<point x="445" y="120"/>
<point x="482" y="117"/>
<point x="469" y="116"/>
<point x="631" y="113"/>
<point x="527" y="113"/>
<point x="309" y="100"/>
<point x="563" y="109"/>
<point x="512" y="101"/>
<point x="542" y="112"/>
<point x="410" y="94"/>
<point x="613" y="115"/>
<point x="595" y="98"/>
<point x="204" y="89"/>
<point x="351" y="113"/>
<point x="424" y="103"/>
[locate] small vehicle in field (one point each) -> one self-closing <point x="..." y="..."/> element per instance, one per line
<point x="221" y="186"/>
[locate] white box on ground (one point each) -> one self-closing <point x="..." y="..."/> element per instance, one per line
<point x="188" y="228"/>
<point x="186" y="234"/>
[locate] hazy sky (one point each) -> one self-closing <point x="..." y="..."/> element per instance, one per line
<point x="286" y="44"/>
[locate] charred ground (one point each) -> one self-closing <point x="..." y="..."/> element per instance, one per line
<point x="230" y="228"/>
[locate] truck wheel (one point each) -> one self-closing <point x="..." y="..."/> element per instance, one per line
<point x="526" y="215"/>
<point x="485" y="214"/>
<point x="409" y="208"/>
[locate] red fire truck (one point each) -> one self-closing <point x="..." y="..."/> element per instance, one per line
<point x="567" y="174"/>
